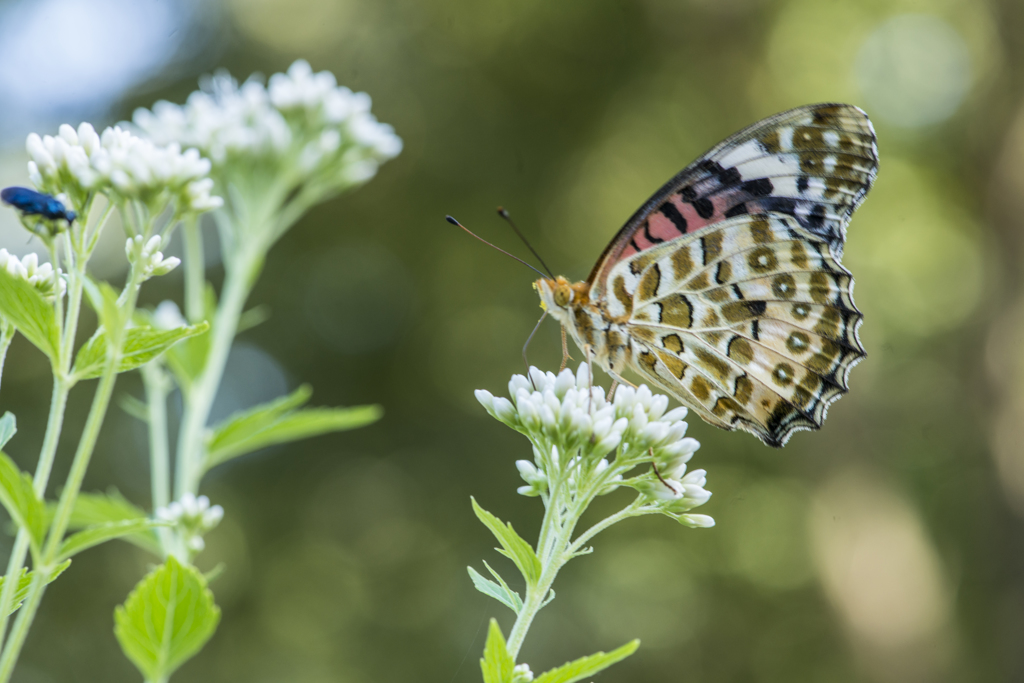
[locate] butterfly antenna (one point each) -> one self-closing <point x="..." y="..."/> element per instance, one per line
<point x="504" y="214"/>
<point x="456" y="223"/>
<point x="530" y="339"/>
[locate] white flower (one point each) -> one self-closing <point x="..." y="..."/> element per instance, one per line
<point x="521" y="673"/>
<point x="300" y="121"/>
<point x="121" y="164"/>
<point x="192" y="517"/>
<point x="581" y="437"/>
<point x="38" y="275"/>
<point x="150" y="261"/>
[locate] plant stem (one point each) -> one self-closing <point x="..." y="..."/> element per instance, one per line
<point x="158" y="386"/>
<point x="199" y="398"/>
<point x="62" y="517"/>
<point x="536" y="594"/>
<point x="195" y="271"/>
<point x="54" y="425"/>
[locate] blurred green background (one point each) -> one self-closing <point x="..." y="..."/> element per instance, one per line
<point x="886" y="547"/>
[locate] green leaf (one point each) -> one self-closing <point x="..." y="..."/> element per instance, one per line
<point x="98" y="508"/>
<point x="101" y="533"/>
<point x="103" y="299"/>
<point x="167" y="618"/>
<point x="141" y="345"/>
<point x="280" y="422"/>
<point x="497" y="664"/>
<point x="256" y="315"/>
<point x="8" y="428"/>
<point x="584" y="667"/>
<point x="25" y="308"/>
<point x="21" y="501"/>
<point x="188" y="359"/>
<point x="21" y="592"/>
<point x="499" y="591"/>
<point x="93" y="509"/>
<point x="515" y="548"/>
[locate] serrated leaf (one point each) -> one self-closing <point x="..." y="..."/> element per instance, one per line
<point x="497" y="664"/>
<point x="515" y="548"/>
<point x="8" y="428"/>
<point x="167" y="618"/>
<point x="585" y="667"/>
<point x="21" y="502"/>
<point x="279" y="422"/>
<point x="101" y="533"/>
<point x="92" y="509"/>
<point x="141" y="345"/>
<point x="25" y="308"/>
<point x="501" y="593"/>
<point x="25" y="580"/>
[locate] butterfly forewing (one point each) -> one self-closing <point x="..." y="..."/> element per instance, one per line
<point x="813" y="163"/>
<point x="751" y="322"/>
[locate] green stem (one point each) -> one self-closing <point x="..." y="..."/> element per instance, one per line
<point x="54" y="424"/>
<point x="199" y="398"/>
<point x="48" y="451"/>
<point x="536" y="593"/>
<point x="158" y="386"/>
<point x="195" y="271"/>
<point x="62" y="517"/>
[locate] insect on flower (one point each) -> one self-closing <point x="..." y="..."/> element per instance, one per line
<point x="32" y="203"/>
<point x="725" y="289"/>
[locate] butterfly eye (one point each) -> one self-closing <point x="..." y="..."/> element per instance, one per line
<point x="563" y="295"/>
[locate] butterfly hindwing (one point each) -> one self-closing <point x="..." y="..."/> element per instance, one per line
<point x="751" y="321"/>
<point x="813" y="163"/>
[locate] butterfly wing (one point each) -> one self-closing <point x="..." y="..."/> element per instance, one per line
<point x="750" y="322"/>
<point x="814" y="163"/>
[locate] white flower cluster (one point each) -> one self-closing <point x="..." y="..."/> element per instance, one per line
<point x="120" y="164"/>
<point x="300" y="117"/>
<point x="193" y="517"/>
<point x="521" y="673"/>
<point x="574" y="429"/>
<point x="39" y="276"/>
<point x="151" y="260"/>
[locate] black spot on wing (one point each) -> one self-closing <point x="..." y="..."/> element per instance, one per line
<point x="759" y="187"/>
<point x="704" y="207"/>
<point x="647" y="233"/>
<point x="802" y="183"/>
<point x="669" y="211"/>
<point x="816" y="218"/>
<point x="730" y="176"/>
<point x="737" y="210"/>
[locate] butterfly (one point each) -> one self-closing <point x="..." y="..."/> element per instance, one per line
<point x="725" y="289"/>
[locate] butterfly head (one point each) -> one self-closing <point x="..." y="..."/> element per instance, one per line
<point x="559" y="296"/>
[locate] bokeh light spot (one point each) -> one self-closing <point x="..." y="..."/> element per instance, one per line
<point x="914" y="253"/>
<point x="914" y="70"/>
<point x="877" y="563"/>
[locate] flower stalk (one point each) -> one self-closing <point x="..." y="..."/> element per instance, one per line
<point x="585" y="446"/>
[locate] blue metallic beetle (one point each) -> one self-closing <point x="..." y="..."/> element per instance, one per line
<point x="32" y="203"/>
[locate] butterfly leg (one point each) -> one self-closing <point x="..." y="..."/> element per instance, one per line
<point x="590" y="367"/>
<point x="658" y="474"/>
<point x="611" y="390"/>
<point x="565" y="352"/>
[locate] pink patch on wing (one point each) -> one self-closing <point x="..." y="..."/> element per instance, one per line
<point x="658" y="227"/>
